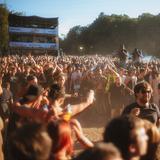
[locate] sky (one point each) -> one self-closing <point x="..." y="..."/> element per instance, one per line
<point x="81" y="12"/>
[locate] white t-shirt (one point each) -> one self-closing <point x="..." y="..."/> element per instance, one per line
<point x="76" y="75"/>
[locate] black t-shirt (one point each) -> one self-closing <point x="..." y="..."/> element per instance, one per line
<point x="116" y="95"/>
<point x="150" y="112"/>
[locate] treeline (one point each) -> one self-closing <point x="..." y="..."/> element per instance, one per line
<point x="107" y="33"/>
<point x="4" y="37"/>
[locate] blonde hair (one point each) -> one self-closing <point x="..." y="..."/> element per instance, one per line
<point x="152" y="131"/>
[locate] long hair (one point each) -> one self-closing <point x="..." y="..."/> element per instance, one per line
<point x="60" y="133"/>
<point x="56" y="92"/>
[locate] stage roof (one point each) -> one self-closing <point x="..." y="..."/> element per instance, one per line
<point x="32" y="21"/>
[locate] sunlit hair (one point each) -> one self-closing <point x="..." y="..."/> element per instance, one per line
<point x="152" y="131"/>
<point x="60" y="75"/>
<point x="153" y="141"/>
<point x="119" y="132"/>
<point x="60" y="133"/>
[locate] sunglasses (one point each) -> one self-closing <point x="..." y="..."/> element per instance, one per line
<point x="145" y="91"/>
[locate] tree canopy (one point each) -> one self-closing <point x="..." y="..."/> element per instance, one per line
<point x="107" y="32"/>
<point x="4" y="37"/>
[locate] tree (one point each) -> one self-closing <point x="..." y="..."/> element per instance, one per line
<point x="107" y="32"/>
<point x="72" y="41"/>
<point x="4" y="37"/>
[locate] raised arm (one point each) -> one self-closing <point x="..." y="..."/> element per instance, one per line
<point x="77" y="108"/>
<point x="25" y="111"/>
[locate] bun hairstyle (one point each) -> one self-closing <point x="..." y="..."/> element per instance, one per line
<point x="56" y="92"/>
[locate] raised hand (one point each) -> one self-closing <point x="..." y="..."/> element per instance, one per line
<point x="91" y="97"/>
<point x="135" y="112"/>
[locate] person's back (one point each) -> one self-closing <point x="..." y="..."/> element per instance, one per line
<point x="60" y="133"/>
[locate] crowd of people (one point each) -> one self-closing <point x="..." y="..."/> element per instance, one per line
<point x="40" y="95"/>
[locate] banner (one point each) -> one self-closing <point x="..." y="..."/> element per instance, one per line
<point x="34" y="45"/>
<point x="43" y="31"/>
